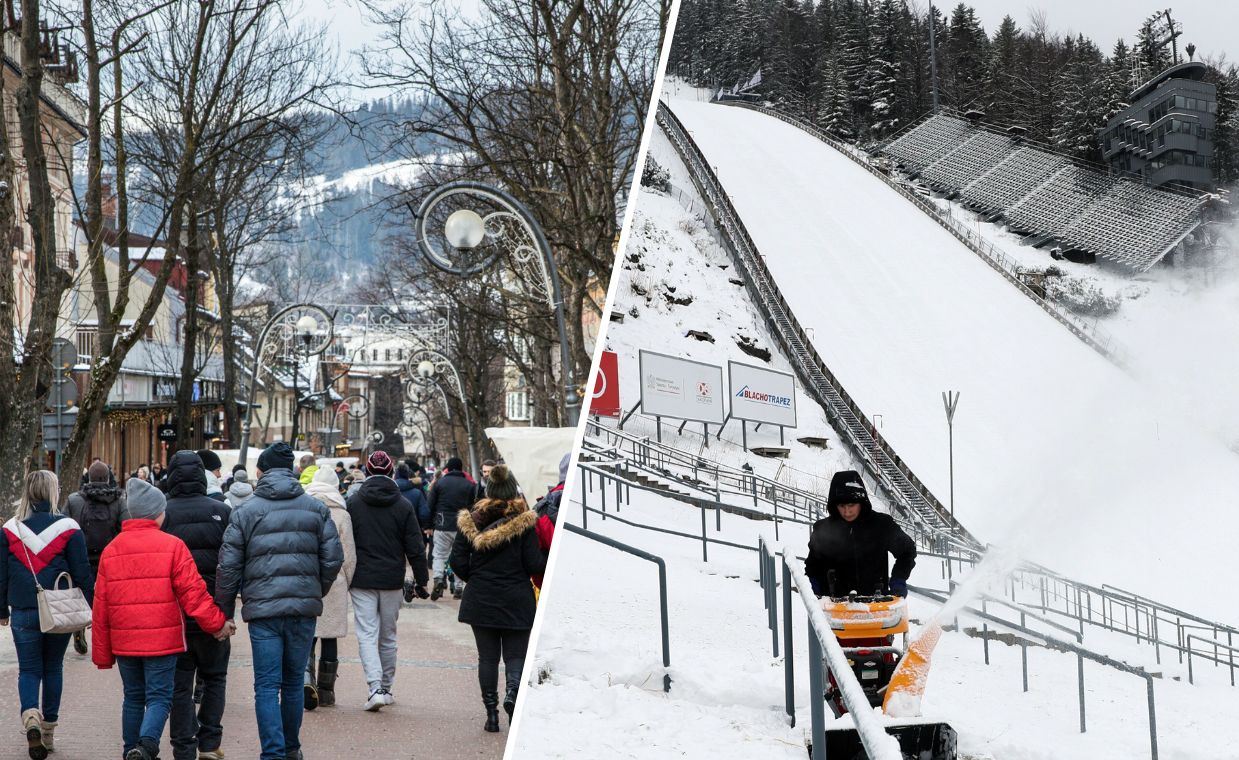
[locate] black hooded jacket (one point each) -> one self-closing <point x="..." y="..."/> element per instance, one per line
<point x="450" y="494"/>
<point x="98" y="508"/>
<point x="856" y="551"/>
<point x="387" y="535"/>
<point x="194" y="517"/>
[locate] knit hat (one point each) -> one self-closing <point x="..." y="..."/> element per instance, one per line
<point x="277" y="456"/>
<point x="210" y="460"/>
<point x="563" y="466"/>
<point x="143" y="501"/>
<point x="455" y="464"/>
<point x="98" y="473"/>
<point x="379" y="463"/>
<point x="241" y="489"/>
<point x="846" y="487"/>
<point x="501" y="485"/>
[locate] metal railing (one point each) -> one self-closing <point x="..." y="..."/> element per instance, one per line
<point x="1092" y="335"/>
<point x="905" y="491"/>
<point x="662" y="587"/>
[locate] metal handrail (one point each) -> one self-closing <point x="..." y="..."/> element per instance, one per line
<point x="662" y="586"/>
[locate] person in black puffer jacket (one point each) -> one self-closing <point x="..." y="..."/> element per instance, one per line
<point x="847" y="549"/>
<point x="388" y="538"/>
<point x="452" y="492"/>
<point x="496" y="553"/>
<point x="282" y="553"/>
<point x="200" y="521"/>
<point x="97" y="508"/>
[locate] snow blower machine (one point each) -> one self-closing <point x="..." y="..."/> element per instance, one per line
<point x="891" y="678"/>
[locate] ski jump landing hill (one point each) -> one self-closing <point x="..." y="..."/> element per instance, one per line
<point x="1058" y="452"/>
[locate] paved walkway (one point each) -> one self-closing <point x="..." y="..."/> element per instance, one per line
<point x="438" y="713"/>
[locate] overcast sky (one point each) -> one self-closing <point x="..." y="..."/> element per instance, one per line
<point x="1212" y="24"/>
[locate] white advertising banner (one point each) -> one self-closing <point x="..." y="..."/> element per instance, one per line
<point x="681" y="388"/>
<point x="762" y="395"/>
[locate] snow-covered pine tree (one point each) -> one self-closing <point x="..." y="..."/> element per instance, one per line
<point x="1118" y="80"/>
<point x="833" y="112"/>
<point x="966" y="52"/>
<point x="886" y="106"/>
<point x="1226" y="133"/>
<point x="1081" y="103"/>
<point x="1000" y="73"/>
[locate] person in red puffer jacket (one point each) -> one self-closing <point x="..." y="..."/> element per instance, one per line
<point x="146" y="578"/>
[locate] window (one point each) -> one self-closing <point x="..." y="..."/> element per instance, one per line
<point x="87" y="341"/>
<point x="518" y="406"/>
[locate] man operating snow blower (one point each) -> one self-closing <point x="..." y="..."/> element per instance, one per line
<point x="865" y="604"/>
<point x="847" y="563"/>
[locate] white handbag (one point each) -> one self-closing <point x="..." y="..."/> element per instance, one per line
<point x="61" y="610"/>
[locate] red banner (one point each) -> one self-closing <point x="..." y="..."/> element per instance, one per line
<point x="606" y="401"/>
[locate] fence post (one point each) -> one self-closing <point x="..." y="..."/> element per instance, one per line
<point x="817" y="708"/>
<point x="1152" y="719"/>
<point x="1024" y="653"/>
<point x="985" y="634"/>
<point x="774" y="607"/>
<point x="789" y="671"/>
<point x="1190" y="674"/>
<point x="1080" y="673"/>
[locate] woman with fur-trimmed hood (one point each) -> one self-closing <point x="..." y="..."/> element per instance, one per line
<point x="496" y="553"/>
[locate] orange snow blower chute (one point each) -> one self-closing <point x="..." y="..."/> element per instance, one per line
<point x="866" y="627"/>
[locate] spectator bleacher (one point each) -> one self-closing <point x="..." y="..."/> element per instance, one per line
<point x="1047" y="194"/>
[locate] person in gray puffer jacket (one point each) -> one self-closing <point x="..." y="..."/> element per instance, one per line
<point x="282" y="552"/>
<point x="240" y="490"/>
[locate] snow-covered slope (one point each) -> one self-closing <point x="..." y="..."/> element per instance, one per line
<point x="675" y="278"/>
<point x="1056" y="450"/>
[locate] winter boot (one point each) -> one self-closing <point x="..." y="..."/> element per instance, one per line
<point x="49" y="735"/>
<point x="311" y="688"/>
<point x="32" y="722"/>
<point x="509" y="696"/>
<point x="458" y="590"/>
<point x="490" y="700"/>
<point x="327" y="682"/>
<point x="210" y="754"/>
<point x="440" y="587"/>
<point x="79" y="642"/>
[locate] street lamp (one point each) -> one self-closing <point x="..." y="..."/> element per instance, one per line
<point x="301" y="326"/>
<point x="509" y="228"/>
<point x="424" y="367"/>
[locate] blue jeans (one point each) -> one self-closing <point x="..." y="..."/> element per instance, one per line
<point x="281" y="648"/>
<point x="148" y="685"/>
<point x="40" y="661"/>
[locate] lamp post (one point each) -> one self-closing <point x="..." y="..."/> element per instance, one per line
<point x="301" y="327"/>
<point x="424" y="367"/>
<point x="508" y="227"/>
<point x="950" y="399"/>
<point x="415" y="393"/>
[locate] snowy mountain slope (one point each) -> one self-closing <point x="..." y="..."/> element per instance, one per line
<point x="675" y="278"/>
<point x="1173" y="324"/>
<point x="1056" y="450"/>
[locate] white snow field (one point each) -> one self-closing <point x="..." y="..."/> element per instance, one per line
<point x="600" y="661"/>
<point x="1057" y="452"/>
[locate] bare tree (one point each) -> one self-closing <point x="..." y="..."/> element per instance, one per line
<point x="546" y="98"/>
<point x="25" y="365"/>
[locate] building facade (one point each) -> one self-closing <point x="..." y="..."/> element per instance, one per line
<point x="1166" y="134"/>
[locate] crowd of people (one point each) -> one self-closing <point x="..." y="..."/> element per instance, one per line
<point x="313" y="553"/>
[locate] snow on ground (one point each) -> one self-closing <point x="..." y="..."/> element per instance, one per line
<point x="1056" y="450"/>
<point x="600" y="665"/>
<point x="672" y="259"/>
<point x="1174" y="326"/>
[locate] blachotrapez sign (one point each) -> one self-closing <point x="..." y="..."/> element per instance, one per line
<point x="681" y="388"/>
<point x="762" y="395"/>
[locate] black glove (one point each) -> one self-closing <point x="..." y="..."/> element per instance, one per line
<point x="421" y="592"/>
<point x="898" y="587"/>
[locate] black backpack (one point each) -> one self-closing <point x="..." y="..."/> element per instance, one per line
<point x="98" y="526"/>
